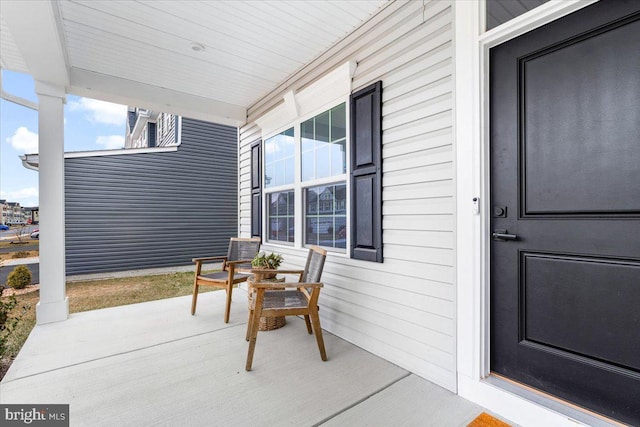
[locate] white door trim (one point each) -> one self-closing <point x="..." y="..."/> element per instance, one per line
<point x="471" y="115"/>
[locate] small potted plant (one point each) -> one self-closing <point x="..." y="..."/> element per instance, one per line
<point x="267" y="262"/>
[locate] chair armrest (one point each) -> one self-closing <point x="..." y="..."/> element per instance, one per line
<point x="212" y="258"/>
<point x="239" y="261"/>
<point x="280" y="271"/>
<point x="266" y="270"/>
<point x="280" y="285"/>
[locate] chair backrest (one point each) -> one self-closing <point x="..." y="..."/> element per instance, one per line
<point x="243" y="248"/>
<point x="315" y="264"/>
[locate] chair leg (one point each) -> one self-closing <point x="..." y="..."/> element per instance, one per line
<point x="227" y="309"/>
<point x="315" y="319"/>
<point x="249" y="323"/>
<point x="248" y="334"/>
<point x="254" y="326"/>
<point x="308" y="322"/>
<point x="194" y="299"/>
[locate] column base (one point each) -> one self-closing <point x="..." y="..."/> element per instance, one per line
<point x="52" y="311"/>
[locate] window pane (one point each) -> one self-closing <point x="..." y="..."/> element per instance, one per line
<point x="325" y="216"/>
<point x="279" y="158"/>
<point x="308" y="165"/>
<point x="338" y="159"/>
<point x="288" y="132"/>
<point x="289" y="148"/>
<point x="306" y="129"/>
<point x="324" y="138"/>
<point x="280" y="218"/>
<point x="308" y="144"/>
<point x="269" y="154"/>
<point x="323" y="159"/>
<point x="341" y="232"/>
<point x="338" y="123"/>
<point x="312" y="230"/>
<point x="269" y="174"/>
<point x="279" y="173"/>
<point x="322" y="127"/>
<point x="312" y="201"/>
<point x="289" y="172"/>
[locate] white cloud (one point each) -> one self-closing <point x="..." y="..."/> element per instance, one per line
<point x="24" y="140"/>
<point x="25" y="196"/>
<point x="110" y="142"/>
<point x="101" y="111"/>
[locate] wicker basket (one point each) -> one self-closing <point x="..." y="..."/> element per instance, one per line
<point x="268" y="323"/>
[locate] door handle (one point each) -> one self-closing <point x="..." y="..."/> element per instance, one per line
<point x="504" y="235"/>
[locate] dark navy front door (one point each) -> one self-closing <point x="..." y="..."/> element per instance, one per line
<point x="565" y="196"/>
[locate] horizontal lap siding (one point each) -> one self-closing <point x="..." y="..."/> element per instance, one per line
<point x="404" y="308"/>
<point x="248" y="135"/>
<point x="136" y="211"/>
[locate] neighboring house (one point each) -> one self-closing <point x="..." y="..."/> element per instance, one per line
<point x="151" y="207"/>
<point x="485" y="154"/>
<point x="146" y="128"/>
<point x="12" y="213"/>
<point x="5" y="211"/>
<point x="32" y="214"/>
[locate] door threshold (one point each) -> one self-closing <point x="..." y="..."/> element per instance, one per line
<point x="571" y="410"/>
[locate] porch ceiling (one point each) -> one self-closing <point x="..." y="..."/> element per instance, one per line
<point x="142" y="52"/>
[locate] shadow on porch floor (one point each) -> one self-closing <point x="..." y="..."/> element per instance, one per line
<point x="153" y="363"/>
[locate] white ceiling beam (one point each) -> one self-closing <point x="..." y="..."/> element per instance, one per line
<point x="128" y="92"/>
<point x="34" y="27"/>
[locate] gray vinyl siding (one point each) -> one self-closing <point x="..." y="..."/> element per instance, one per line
<point x="404" y="308"/>
<point x="135" y="211"/>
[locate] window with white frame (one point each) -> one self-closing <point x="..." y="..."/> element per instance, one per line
<point x="279" y="160"/>
<point x="279" y="167"/>
<point x="323" y="153"/>
<point x="316" y="149"/>
<point x="326" y="215"/>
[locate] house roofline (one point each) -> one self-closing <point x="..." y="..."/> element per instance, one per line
<point x="32" y="161"/>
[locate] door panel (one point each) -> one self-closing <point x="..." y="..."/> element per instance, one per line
<point x="565" y="179"/>
<point x="584" y="283"/>
<point x="579" y="91"/>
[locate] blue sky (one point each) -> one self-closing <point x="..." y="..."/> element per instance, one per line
<point x="89" y="125"/>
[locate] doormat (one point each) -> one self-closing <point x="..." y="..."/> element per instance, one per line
<point x="486" y="420"/>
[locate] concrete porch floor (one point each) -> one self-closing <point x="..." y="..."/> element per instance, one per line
<point x="155" y="364"/>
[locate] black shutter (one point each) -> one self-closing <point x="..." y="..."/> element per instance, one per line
<point x="256" y="189"/>
<point x="366" y="173"/>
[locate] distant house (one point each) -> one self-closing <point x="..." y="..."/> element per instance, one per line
<point x="146" y="128"/>
<point x="5" y="211"/>
<point x="12" y="213"/>
<point x="32" y="215"/>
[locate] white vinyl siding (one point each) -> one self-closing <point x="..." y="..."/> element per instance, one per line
<point x="404" y="308"/>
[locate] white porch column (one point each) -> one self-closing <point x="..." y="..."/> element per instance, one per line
<point x="54" y="304"/>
